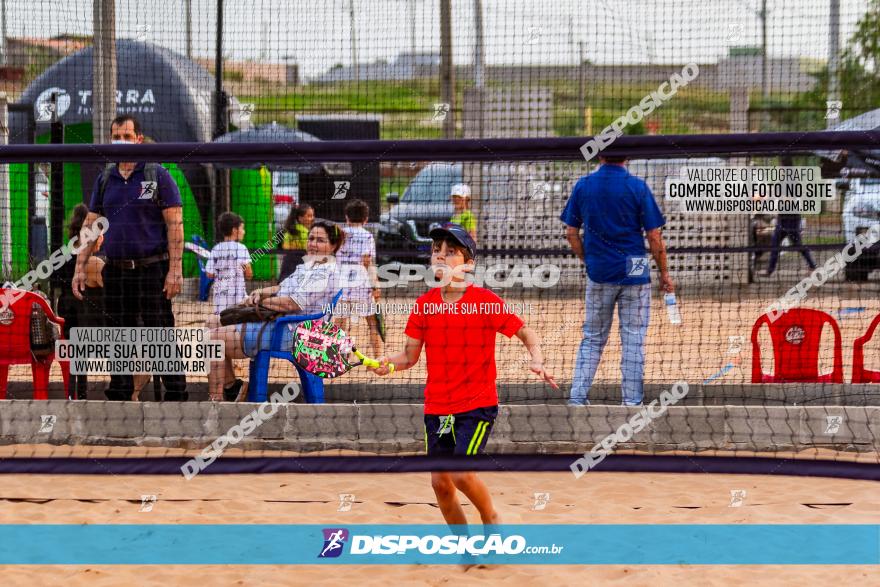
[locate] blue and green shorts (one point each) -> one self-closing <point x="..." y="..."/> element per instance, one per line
<point x="461" y="434"/>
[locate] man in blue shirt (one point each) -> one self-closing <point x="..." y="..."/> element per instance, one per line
<point x="616" y="210"/>
<point x="144" y="247"/>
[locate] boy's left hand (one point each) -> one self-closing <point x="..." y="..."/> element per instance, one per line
<point x="538" y="369"/>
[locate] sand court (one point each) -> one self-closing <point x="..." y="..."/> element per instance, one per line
<point x="598" y="498"/>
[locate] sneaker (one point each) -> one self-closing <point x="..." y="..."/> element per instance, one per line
<point x="235" y="392"/>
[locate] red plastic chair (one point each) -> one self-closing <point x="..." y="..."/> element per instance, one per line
<point x="796" y="335"/>
<point x="859" y="373"/>
<point x="15" y="344"/>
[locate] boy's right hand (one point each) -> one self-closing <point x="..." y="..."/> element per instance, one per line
<point x="383" y="369"/>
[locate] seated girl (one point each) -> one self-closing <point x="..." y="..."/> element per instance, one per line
<point x="88" y="312"/>
<point x="309" y="290"/>
<point x="296" y="234"/>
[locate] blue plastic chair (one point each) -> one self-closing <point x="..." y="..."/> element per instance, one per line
<point x="204" y="281"/>
<point x="312" y="385"/>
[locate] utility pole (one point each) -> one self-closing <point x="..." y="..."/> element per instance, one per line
<point x="447" y="72"/>
<point x="479" y="49"/>
<point x="833" y="56"/>
<point x="765" y="79"/>
<point x="220" y="195"/>
<point x="354" y="56"/>
<point x="479" y="64"/>
<point x="581" y="90"/>
<point x="103" y="69"/>
<point x="3" y="48"/>
<point x="189" y="24"/>
<point x="412" y="32"/>
<point x="219" y="102"/>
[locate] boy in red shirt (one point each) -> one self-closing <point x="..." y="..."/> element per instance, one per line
<point x="457" y="323"/>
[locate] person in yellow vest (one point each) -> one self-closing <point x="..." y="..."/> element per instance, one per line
<point x="462" y="214"/>
<point x="296" y="235"/>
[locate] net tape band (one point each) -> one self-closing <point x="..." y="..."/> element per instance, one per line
<point x="567" y="149"/>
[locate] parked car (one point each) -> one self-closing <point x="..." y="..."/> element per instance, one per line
<point x="402" y="234"/>
<point x="861" y="211"/>
<point x="285" y="195"/>
<point x="513" y="196"/>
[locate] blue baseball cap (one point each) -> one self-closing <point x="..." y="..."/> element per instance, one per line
<point x="457" y="234"/>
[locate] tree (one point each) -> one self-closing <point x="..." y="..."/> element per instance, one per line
<point x="859" y="71"/>
<point x="863" y="49"/>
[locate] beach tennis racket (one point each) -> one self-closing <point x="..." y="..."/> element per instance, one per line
<point x="199" y="251"/>
<point x="324" y="349"/>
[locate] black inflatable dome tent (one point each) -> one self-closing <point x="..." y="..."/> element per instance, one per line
<point x="171" y="95"/>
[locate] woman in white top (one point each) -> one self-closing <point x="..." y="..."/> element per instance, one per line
<point x="357" y="258"/>
<point x="309" y="290"/>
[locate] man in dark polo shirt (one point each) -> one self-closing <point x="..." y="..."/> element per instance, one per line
<point x="144" y="246"/>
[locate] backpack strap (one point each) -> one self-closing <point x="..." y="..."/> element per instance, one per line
<point x="151" y="173"/>
<point x="105" y="176"/>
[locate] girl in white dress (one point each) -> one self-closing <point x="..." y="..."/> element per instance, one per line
<point x="357" y="261"/>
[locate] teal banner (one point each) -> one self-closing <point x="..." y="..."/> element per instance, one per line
<point x="533" y="544"/>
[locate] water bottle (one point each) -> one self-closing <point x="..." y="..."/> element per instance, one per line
<point x="672" y="308"/>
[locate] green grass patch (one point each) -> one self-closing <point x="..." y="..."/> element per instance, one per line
<point x="407" y="106"/>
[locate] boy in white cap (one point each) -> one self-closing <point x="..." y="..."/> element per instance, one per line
<point x="461" y="214"/>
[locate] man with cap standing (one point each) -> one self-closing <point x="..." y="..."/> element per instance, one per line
<point x="617" y="212"/>
<point x="462" y="215"/>
<point x="144" y="247"/>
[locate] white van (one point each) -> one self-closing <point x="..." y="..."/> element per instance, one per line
<point x="861" y="211"/>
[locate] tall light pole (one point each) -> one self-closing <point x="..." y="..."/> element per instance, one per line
<point x="103" y="69"/>
<point x="354" y="58"/>
<point x="479" y="63"/>
<point x="765" y="74"/>
<point x="187" y="5"/>
<point x="3" y="48"/>
<point x="447" y="71"/>
<point x="582" y="103"/>
<point x="833" y="56"/>
<point x="412" y="31"/>
<point x="479" y="48"/>
<point x="219" y="102"/>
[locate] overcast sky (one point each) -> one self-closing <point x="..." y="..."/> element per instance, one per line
<point x="316" y="33"/>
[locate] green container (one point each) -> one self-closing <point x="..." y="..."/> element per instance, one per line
<point x="18" y="203"/>
<point x="251" y="198"/>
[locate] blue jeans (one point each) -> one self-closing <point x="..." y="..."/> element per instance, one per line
<point x="794" y="235"/>
<point x="251" y="346"/>
<point x="633" y="310"/>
